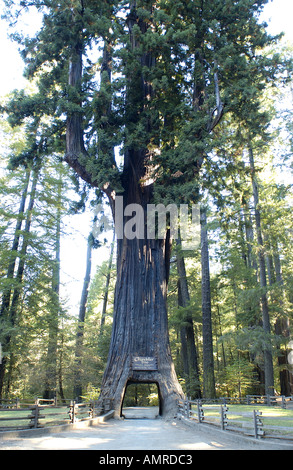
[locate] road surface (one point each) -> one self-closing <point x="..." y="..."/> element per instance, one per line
<point x="136" y="434"/>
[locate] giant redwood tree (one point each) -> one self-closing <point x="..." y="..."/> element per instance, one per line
<point x="152" y="80"/>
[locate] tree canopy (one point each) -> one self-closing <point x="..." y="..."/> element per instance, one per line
<point x="198" y="60"/>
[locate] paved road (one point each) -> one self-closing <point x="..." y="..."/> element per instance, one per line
<point x="135" y="434"/>
<point x="132" y="434"/>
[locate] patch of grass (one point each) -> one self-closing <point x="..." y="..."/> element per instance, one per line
<point x="242" y="416"/>
<point x="11" y="423"/>
<point x="52" y="415"/>
<point x="267" y="412"/>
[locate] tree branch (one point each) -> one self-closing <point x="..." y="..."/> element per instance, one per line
<point x="76" y="154"/>
<point x="218" y="111"/>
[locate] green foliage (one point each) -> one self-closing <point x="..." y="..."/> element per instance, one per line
<point x="195" y="62"/>
<point x="186" y="84"/>
<point x="141" y="395"/>
<point x="237" y="380"/>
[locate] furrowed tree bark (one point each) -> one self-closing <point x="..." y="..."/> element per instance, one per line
<point x="75" y="150"/>
<point x="140" y="323"/>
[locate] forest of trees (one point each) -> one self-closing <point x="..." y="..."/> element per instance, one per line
<point x="195" y="97"/>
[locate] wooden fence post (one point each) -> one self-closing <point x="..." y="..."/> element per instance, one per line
<point x="91" y="409"/>
<point x="35" y="414"/>
<point x="72" y="411"/>
<point x="187" y="409"/>
<point x="200" y="412"/>
<point x="224" y="420"/>
<point x="257" y="424"/>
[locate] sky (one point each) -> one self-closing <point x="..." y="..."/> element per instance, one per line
<point x="277" y="13"/>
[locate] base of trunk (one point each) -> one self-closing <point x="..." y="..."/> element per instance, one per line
<point x="139" y="349"/>
<point x="169" y="389"/>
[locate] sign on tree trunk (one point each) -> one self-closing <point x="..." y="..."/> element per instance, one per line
<point x="144" y="363"/>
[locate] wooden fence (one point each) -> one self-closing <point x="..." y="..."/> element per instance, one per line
<point x="20" y="415"/>
<point x="268" y="400"/>
<point x="253" y="423"/>
<point x="15" y="415"/>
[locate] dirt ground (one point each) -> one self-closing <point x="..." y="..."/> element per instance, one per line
<point x="138" y="433"/>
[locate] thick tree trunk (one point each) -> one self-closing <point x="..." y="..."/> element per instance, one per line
<point x="140" y="323"/>
<point x="140" y="327"/>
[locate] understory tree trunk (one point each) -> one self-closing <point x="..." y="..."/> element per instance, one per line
<point x="77" y="387"/>
<point x="12" y="313"/>
<point x="189" y="352"/>
<point x="107" y="286"/>
<point x="282" y="329"/>
<point x="7" y="292"/>
<point x="51" y="374"/>
<point x="268" y="356"/>
<point x="209" y="390"/>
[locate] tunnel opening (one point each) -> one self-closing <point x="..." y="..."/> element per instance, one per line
<point x="141" y="400"/>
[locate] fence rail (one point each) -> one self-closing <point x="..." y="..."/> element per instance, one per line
<point x="253" y="422"/>
<point x="268" y="400"/>
<point x="20" y="415"/>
